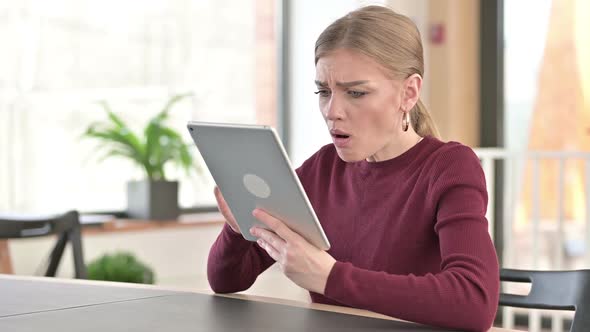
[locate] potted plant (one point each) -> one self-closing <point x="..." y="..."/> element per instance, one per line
<point x="121" y="266"/>
<point x="154" y="197"/>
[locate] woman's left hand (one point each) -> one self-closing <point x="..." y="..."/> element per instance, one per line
<point x="302" y="262"/>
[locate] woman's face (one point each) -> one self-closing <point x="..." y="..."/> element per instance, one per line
<point x="360" y="104"/>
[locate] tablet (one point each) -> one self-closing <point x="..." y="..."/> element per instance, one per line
<point x="252" y="170"/>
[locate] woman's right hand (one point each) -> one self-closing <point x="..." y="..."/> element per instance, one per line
<point x="225" y="211"/>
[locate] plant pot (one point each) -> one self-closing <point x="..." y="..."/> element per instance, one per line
<point x="152" y="200"/>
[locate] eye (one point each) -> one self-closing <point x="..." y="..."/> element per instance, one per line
<point x="356" y="94"/>
<point x="323" y="92"/>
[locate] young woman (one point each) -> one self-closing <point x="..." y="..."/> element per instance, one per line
<point x="404" y="212"/>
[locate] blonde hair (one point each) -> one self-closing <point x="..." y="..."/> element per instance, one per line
<point x="391" y="39"/>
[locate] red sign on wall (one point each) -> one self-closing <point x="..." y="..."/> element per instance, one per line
<point x="437" y="33"/>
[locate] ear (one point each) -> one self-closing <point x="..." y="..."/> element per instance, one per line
<point x="412" y="87"/>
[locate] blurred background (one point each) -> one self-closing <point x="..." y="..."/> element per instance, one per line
<point x="510" y="78"/>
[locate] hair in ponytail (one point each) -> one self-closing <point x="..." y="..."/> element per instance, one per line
<point x="422" y="121"/>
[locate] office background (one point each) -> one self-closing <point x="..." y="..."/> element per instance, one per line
<point x="508" y="78"/>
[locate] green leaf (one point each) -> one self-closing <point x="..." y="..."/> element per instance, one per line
<point x="113" y="153"/>
<point x="174" y="100"/>
<point x="117" y="120"/>
<point x="120" y="140"/>
<point x="161" y="144"/>
<point x="120" y="266"/>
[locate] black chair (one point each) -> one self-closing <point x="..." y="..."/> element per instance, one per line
<point x="555" y="290"/>
<point x="66" y="226"/>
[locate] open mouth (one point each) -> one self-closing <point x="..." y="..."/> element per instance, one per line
<point x="341" y="139"/>
<point x="337" y="133"/>
<point x="340" y="136"/>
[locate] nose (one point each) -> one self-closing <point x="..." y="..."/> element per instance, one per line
<point x="333" y="109"/>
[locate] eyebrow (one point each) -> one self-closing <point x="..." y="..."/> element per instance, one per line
<point x="342" y="84"/>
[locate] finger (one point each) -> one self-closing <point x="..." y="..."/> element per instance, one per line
<point x="225" y="212"/>
<point x="269" y="237"/>
<point x="270" y="250"/>
<point x="222" y="205"/>
<point x="219" y="197"/>
<point x="275" y="225"/>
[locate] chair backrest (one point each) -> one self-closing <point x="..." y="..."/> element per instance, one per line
<point x="23" y="226"/>
<point x="556" y="290"/>
<point x="66" y="226"/>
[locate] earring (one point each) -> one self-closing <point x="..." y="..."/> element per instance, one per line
<point x="405" y="121"/>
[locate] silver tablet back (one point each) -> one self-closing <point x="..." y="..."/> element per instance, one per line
<point x="252" y="170"/>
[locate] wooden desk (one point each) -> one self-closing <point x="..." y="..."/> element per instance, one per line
<point x="30" y="303"/>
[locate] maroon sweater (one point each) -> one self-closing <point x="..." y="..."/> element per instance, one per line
<point x="409" y="235"/>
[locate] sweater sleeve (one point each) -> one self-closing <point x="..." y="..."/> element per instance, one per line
<point x="234" y="263"/>
<point x="464" y="294"/>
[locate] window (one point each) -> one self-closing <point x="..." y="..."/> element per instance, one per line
<point x="63" y="56"/>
